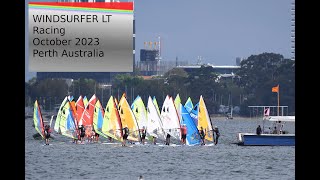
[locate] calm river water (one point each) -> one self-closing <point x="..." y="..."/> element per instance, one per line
<point x="65" y="160"/>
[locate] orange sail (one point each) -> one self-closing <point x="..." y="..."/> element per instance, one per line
<point x="79" y="108"/>
<point x="87" y="115"/>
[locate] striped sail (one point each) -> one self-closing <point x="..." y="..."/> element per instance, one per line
<point x="58" y="118"/>
<point x="37" y="119"/>
<point x="67" y="123"/>
<point x="98" y="118"/>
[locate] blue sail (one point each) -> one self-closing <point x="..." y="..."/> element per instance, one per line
<point x="188" y="105"/>
<point x="194" y="113"/>
<point x="100" y="119"/>
<point x="193" y="136"/>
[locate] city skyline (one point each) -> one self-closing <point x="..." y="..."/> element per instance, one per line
<point x="215" y="30"/>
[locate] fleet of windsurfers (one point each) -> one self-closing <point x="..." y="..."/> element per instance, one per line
<point x="81" y="132"/>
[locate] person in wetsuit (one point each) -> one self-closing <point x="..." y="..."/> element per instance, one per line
<point x="258" y="130"/>
<point x="216" y="131"/>
<point x="47" y="132"/>
<point x="125" y="135"/>
<point x="202" y="136"/>
<point x="183" y="134"/>
<point x="143" y="134"/>
<point x="168" y="139"/>
<point x="82" y="132"/>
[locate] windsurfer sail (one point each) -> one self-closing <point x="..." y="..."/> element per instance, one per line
<point x="37" y="119"/>
<point x="128" y="119"/>
<point x="154" y="100"/>
<point x="204" y="120"/>
<point x="57" y="122"/>
<point x="66" y="120"/>
<point x="111" y="125"/>
<point x="188" y="105"/>
<point x="193" y="136"/>
<point x="139" y="110"/>
<point x="87" y="116"/>
<point x="154" y="124"/>
<point x="170" y="119"/>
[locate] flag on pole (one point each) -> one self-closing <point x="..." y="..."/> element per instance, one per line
<point x="267" y="111"/>
<point x="275" y="89"/>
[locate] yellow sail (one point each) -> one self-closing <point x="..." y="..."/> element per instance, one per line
<point x="85" y="101"/>
<point x="111" y="122"/>
<point x="139" y="110"/>
<point x="177" y="104"/>
<point x="128" y="119"/>
<point x="204" y="120"/>
<point x="154" y="100"/>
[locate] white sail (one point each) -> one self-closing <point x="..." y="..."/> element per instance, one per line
<point x="154" y="124"/>
<point x="139" y="110"/>
<point x="170" y="118"/>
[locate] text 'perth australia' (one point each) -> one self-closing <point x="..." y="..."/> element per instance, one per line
<point x="68" y="53"/>
<point x="73" y="18"/>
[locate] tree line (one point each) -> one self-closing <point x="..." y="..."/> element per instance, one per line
<point x="251" y="86"/>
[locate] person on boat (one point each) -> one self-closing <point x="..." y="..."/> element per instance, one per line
<point x="143" y="134"/>
<point x="258" y="130"/>
<point x="168" y="139"/>
<point x="82" y="133"/>
<point x="279" y="127"/>
<point x="216" y="131"/>
<point x="125" y="135"/>
<point x="202" y="136"/>
<point x="275" y="131"/>
<point x="183" y="134"/>
<point x="269" y="130"/>
<point x="47" y="132"/>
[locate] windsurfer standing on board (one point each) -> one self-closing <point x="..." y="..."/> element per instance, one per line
<point x="168" y="139"/>
<point x="47" y="132"/>
<point x="82" y="133"/>
<point x="216" y="130"/>
<point x="183" y="134"/>
<point x="143" y="134"/>
<point x="202" y="136"/>
<point x="125" y="135"/>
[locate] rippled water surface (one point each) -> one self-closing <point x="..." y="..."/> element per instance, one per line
<point x="65" y="160"/>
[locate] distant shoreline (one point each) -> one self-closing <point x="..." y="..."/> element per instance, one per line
<point x="222" y="117"/>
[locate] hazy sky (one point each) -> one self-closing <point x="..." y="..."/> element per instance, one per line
<point x="219" y="31"/>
